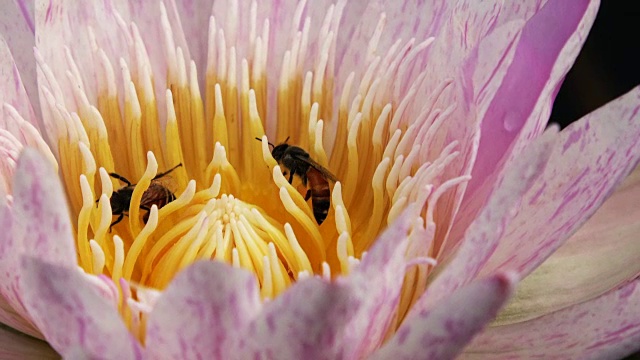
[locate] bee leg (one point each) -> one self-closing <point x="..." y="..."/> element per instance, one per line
<point x="308" y="195"/>
<point x="120" y="217"/>
<point x="291" y="173"/>
<point x="121" y="178"/>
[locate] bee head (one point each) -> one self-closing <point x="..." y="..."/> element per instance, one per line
<point x="278" y="151"/>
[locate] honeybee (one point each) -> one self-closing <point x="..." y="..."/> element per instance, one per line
<point x="296" y="161"/>
<point x="157" y="194"/>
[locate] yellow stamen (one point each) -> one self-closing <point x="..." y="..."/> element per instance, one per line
<point x="136" y="196"/>
<point x="83" y="222"/>
<point x="118" y="259"/>
<point x="305" y="221"/>
<point x="97" y="256"/>
<point x="139" y="241"/>
<point x="133" y="125"/>
<point x="174" y="148"/>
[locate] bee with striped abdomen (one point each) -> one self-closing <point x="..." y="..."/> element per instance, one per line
<point x="314" y="176"/>
<point x="157" y="194"/>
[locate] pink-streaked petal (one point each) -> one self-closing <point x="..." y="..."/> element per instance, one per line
<point x="443" y="332"/>
<point x="71" y="314"/>
<point x="512" y="120"/>
<point x="482" y="237"/>
<point x="36" y="221"/>
<point x="69" y="23"/>
<point x="603" y="254"/>
<point x="607" y="327"/>
<point x="306" y="322"/>
<point x="15" y="345"/>
<point x="9" y="317"/>
<point x="10" y="250"/>
<point x="377" y="282"/>
<point x="457" y="27"/>
<point x="10" y="149"/>
<point x="17" y="29"/>
<point x="12" y="91"/>
<point x="548" y="47"/>
<point x="590" y="157"/>
<point x="202" y="313"/>
<point x="40" y="215"/>
<point x="194" y="19"/>
<point x="486" y="66"/>
<point x="404" y="20"/>
<point x="18" y="13"/>
<point x="281" y="17"/>
<point x="147" y="14"/>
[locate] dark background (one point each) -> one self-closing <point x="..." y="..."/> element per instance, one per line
<point x="608" y="65"/>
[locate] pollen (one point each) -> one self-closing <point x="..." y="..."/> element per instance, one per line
<point x="233" y="202"/>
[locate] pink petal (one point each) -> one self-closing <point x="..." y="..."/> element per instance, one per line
<point x="69" y="23"/>
<point x="14" y="345"/>
<point x="9" y="317"/>
<point x="549" y="44"/>
<point x="485" y="66"/>
<point x="306" y="322"/>
<point x="377" y="283"/>
<point x="513" y="118"/>
<point x="443" y="332"/>
<point x="482" y="237"/>
<point x="408" y="19"/>
<point x="602" y="255"/>
<point x="17" y="29"/>
<point x="10" y="149"/>
<point x="404" y="20"/>
<point x="40" y="216"/>
<point x="607" y="327"/>
<point x="37" y="221"/>
<point x="10" y="250"/>
<point x="12" y="91"/>
<point x="194" y="18"/>
<point x="20" y="14"/>
<point x="18" y="122"/>
<point x="590" y="158"/>
<point x="146" y="16"/>
<point x="71" y="314"/>
<point x="202" y="314"/>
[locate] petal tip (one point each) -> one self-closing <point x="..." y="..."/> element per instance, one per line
<point x="507" y="281"/>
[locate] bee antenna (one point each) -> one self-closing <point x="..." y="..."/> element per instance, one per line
<point x="270" y="144"/>
<point x="287" y="139"/>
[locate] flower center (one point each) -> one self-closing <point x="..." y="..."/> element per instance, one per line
<point x="226" y="197"/>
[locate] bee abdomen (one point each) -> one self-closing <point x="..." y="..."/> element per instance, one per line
<point x="321" y="201"/>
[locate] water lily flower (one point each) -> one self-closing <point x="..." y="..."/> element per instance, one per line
<point x="145" y="216"/>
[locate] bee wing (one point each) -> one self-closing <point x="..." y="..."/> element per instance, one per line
<point x="327" y="174"/>
<point x="166" y="181"/>
<point x="156" y="194"/>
